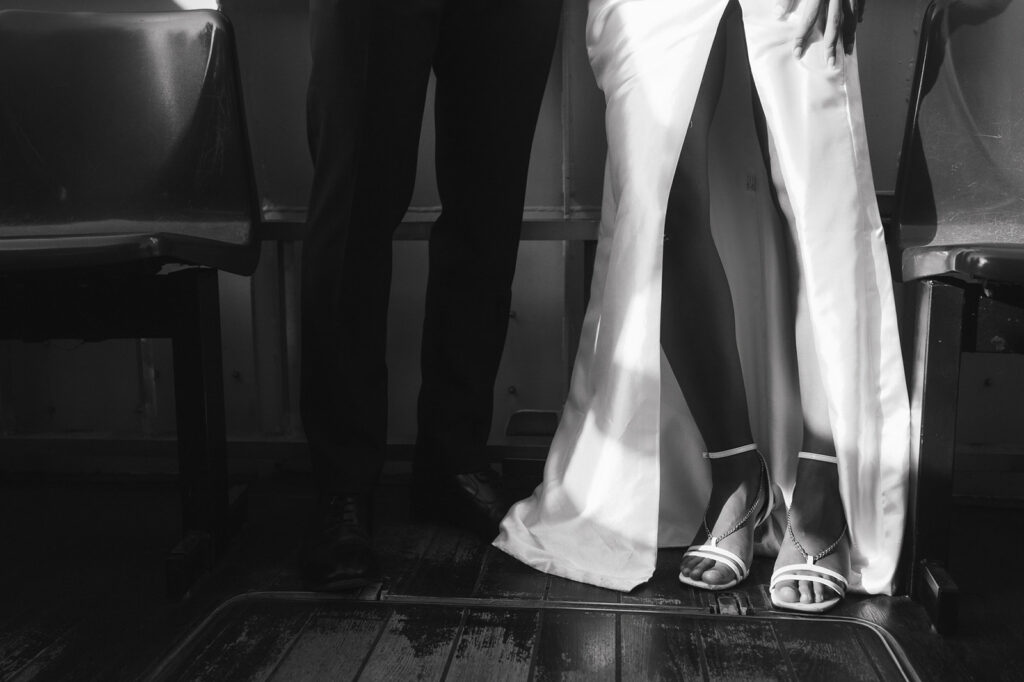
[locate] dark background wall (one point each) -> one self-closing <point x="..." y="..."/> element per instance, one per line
<point x="120" y="390"/>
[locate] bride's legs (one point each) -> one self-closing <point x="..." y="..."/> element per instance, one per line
<point x="699" y="337"/>
<point x="816" y="512"/>
<point x="698" y="329"/>
<point x="812" y="109"/>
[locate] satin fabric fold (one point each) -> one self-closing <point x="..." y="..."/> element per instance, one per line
<point x="624" y="474"/>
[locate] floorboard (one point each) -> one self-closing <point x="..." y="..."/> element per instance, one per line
<point x="25" y="638"/>
<point x="502" y="577"/>
<point x="661" y="648"/>
<point x="81" y="598"/>
<point x="333" y="645"/>
<point x="818" y="654"/>
<point x="664" y="587"/>
<point x="301" y="636"/>
<point x="449" y="567"/>
<point x="248" y="647"/>
<point x="742" y="651"/>
<point x="577" y="645"/>
<point x="495" y="645"/>
<point x="561" y="589"/>
<point x="415" y="645"/>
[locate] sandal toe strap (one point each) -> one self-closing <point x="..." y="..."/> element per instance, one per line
<point x="736" y="564"/>
<point x="798" y="572"/>
<point x="813" y="568"/>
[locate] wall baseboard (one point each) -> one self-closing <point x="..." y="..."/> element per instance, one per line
<point x="158" y="457"/>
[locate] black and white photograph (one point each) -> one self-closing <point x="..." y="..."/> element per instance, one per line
<point x="514" y="340"/>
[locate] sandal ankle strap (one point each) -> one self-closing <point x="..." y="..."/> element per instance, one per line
<point x="829" y="459"/>
<point x="812" y="558"/>
<point x="762" y="482"/>
<point x="729" y="453"/>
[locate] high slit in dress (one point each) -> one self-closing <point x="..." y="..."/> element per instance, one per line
<point x="624" y="474"/>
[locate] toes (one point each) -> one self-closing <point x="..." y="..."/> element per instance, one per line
<point x="717" y="575"/>
<point x="705" y="570"/>
<point x="686" y="565"/>
<point x="806" y="594"/>
<point x="701" y="568"/>
<point x="698" y="566"/>
<point x="787" y="592"/>
<point x="819" y="593"/>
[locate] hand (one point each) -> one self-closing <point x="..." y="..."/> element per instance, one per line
<point x="834" y="18"/>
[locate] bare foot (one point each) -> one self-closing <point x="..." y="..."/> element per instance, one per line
<point x="817" y="520"/>
<point x="735" y="486"/>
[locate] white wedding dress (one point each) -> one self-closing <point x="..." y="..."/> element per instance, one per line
<point x="624" y="474"/>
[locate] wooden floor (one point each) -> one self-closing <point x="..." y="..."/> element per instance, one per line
<point x="81" y="598"/>
<point x="281" y="636"/>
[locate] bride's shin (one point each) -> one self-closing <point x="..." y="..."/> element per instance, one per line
<point x="698" y="331"/>
<point x="816" y="491"/>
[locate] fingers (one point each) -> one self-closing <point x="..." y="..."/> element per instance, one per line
<point x="784" y="7"/>
<point x="836" y="19"/>
<point x="813" y="14"/>
<point x="833" y="22"/>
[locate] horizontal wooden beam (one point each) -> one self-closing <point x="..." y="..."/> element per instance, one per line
<point x="276" y="227"/>
<point x="539" y="224"/>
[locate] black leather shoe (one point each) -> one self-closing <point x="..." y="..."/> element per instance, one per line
<point x="475" y="500"/>
<point x="337" y="555"/>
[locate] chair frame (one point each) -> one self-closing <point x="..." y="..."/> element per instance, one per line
<point x="153" y="295"/>
<point x="943" y="323"/>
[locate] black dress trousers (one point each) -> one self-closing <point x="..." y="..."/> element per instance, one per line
<point x="371" y="64"/>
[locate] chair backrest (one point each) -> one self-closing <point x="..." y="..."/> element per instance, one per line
<point x="124" y="126"/>
<point x="961" y="179"/>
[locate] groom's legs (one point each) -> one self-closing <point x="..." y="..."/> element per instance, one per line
<point x="365" y="116"/>
<point x="336" y="103"/>
<point x="492" y="64"/>
<point x="371" y="63"/>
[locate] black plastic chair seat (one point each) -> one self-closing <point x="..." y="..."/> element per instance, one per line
<point x="122" y="137"/>
<point x="987" y="262"/>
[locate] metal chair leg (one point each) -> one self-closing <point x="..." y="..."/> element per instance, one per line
<point x="935" y="385"/>
<point x="199" y="401"/>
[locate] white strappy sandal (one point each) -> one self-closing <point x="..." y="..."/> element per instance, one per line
<point x="809" y="570"/>
<point x="710" y="548"/>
